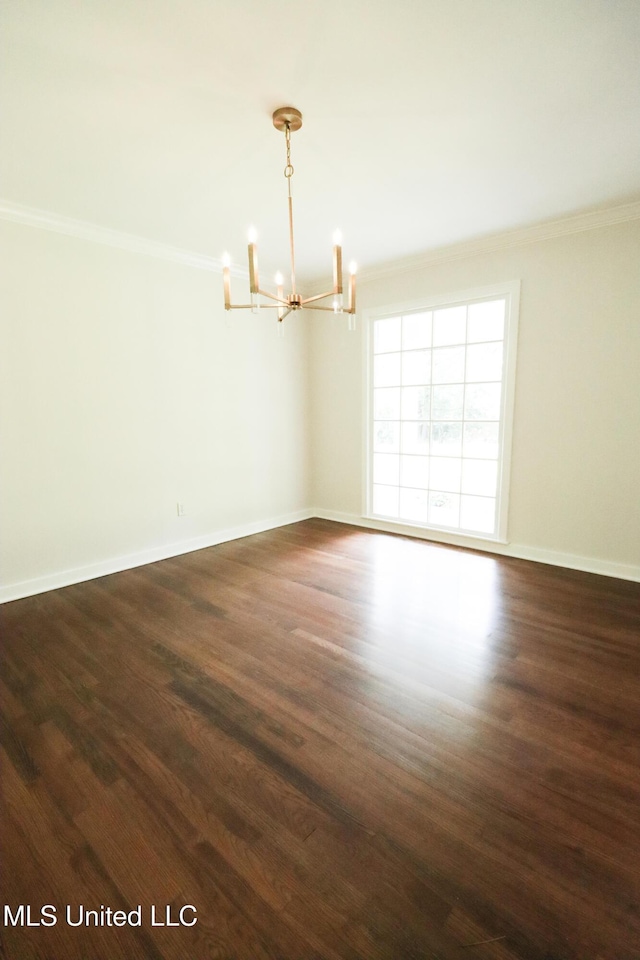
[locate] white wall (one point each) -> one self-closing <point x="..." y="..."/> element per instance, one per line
<point x="575" y="475"/>
<point x="124" y="388"/>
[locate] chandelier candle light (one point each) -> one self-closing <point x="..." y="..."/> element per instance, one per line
<point x="289" y="119"/>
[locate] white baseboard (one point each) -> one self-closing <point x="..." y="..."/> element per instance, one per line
<point x="102" y="568"/>
<point x="606" y="568"/>
<point x="65" y="578"/>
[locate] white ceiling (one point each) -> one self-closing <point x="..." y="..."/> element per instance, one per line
<point x="426" y="122"/>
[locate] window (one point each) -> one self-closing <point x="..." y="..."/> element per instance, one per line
<point x="441" y="398"/>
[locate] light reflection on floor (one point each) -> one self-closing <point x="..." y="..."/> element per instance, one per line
<point x="431" y="617"/>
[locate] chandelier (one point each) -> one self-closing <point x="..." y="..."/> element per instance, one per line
<point x="288" y="119"/>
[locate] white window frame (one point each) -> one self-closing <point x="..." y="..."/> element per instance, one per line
<point x="511" y="292"/>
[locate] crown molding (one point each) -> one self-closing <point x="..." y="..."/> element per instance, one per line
<point x="548" y="230"/>
<point x="83" y="230"/>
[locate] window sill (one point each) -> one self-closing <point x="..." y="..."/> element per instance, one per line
<point x="427" y="532"/>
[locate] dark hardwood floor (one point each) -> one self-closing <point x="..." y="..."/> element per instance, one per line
<point x="333" y="744"/>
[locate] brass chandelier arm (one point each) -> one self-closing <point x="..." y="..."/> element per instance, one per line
<point x="265" y="293"/>
<point x="331" y="309"/>
<point x="319" y="296"/>
<point x="284" y="303"/>
<point x="252" y="306"/>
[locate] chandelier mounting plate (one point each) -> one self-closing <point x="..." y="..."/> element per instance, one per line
<point x="287" y="115"/>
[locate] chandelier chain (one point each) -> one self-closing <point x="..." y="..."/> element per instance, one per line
<point x="288" y="170"/>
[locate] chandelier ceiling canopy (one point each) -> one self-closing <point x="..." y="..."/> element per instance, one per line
<point x="288" y="120"/>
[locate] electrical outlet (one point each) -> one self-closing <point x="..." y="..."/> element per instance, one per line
<point x="180" y="507"/>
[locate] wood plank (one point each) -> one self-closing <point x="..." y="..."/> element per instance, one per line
<point x="334" y="744"/>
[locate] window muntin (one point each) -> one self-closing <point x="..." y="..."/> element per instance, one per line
<point x="440" y="392"/>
